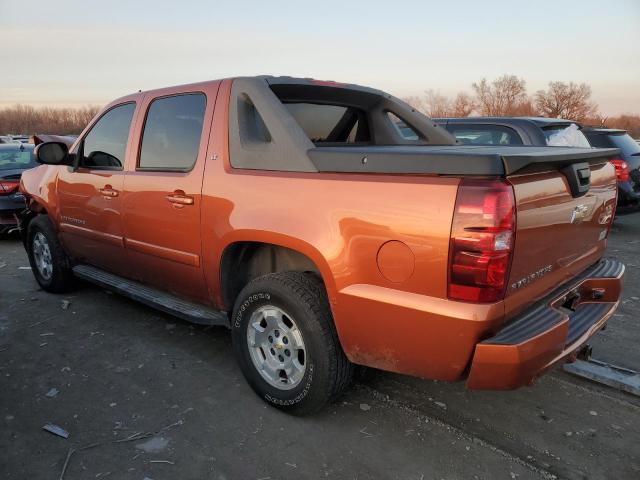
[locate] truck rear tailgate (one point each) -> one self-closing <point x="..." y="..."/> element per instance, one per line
<point x="558" y="235"/>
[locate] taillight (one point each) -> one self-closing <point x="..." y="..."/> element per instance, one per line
<point x="482" y="237"/>
<point x="622" y="169"/>
<point x="7" y="187"/>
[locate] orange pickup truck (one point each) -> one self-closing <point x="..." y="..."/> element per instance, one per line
<point x="329" y="225"/>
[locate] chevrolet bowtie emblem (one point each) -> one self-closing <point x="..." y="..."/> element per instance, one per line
<point x="578" y="213"/>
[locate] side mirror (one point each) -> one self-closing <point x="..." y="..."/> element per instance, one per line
<point x="53" y="153"/>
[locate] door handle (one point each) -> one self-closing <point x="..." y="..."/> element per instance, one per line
<point x="108" y="191"/>
<point x="179" y="198"/>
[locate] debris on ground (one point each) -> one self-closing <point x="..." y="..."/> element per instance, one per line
<point x="154" y="445"/>
<point x="365" y="433"/>
<point x="52" y="392"/>
<point x="441" y="405"/>
<point x="56" y="430"/>
<point x="365" y="407"/>
<point x="65" y="304"/>
<point x="131" y="438"/>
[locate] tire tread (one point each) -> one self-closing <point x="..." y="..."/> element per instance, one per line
<point x="308" y="288"/>
<point x="63" y="279"/>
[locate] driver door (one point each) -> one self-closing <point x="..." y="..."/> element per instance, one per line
<point x="91" y="194"/>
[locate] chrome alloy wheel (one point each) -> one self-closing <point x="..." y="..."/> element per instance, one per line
<point x="42" y="256"/>
<point x="276" y="347"/>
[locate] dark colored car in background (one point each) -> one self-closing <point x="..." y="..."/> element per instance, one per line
<point x="541" y="131"/>
<point x="537" y="131"/>
<point x="627" y="166"/>
<point x="15" y="158"/>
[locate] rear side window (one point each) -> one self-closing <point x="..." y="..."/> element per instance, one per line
<point x="402" y="128"/>
<point x="172" y="131"/>
<point x="599" y="141"/>
<point x="105" y="145"/>
<point x="330" y="123"/>
<point x="485" y="134"/>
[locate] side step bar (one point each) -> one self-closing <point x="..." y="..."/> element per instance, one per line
<point x="165" y="302"/>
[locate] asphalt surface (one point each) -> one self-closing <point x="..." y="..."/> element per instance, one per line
<point x="146" y="396"/>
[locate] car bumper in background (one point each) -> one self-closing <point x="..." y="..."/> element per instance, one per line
<point x="548" y="332"/>
<point x="629" y="191"/>
<point x="10" y="207"/>
<point x="8" y="221"/>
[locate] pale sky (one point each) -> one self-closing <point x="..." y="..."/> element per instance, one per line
<point x="72" y="52"/>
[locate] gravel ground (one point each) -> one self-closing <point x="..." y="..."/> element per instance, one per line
<point x="145" y="395"/>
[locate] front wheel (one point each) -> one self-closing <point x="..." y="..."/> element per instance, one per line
<point x="48" y="260"/>
<point x="286" y="343"/>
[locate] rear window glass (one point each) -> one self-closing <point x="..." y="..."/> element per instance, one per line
<point x="16" y="159"/>
<point x="485" y="134"/>
<point x="330" y="123"/>
<point x="565" y="136"/>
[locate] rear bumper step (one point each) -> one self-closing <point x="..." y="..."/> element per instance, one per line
<point x="549" y="332"/>
<point x="189" y="311"/>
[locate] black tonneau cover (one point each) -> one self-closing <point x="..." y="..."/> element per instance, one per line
<point x="452" y="159"/>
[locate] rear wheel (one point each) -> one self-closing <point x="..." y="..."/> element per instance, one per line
<point x="286" y="344"/>
<point x="49" y="262"/>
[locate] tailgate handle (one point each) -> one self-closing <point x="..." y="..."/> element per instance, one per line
<point x="579" y="178"/>
<point x="584" y="176"/>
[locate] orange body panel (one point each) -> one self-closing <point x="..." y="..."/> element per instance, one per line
<point x="546" y="236"/>
<point x="512" y="366"/>
<point x="389" y="303"/>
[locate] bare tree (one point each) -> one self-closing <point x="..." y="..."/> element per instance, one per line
<point x="626" y="121"/>
<point x="504" y="96"/>
<point x="438" y="105"/>
<point x="434" y="104"/>
<point x="463" y="105"/>
<point x="26" y="119"/>
<point x="525" y="109"/>
<point x="566" y="100"/>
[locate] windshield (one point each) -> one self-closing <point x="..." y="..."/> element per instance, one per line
<point x="563" y="136"/>
<point x="14" y="159"/>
